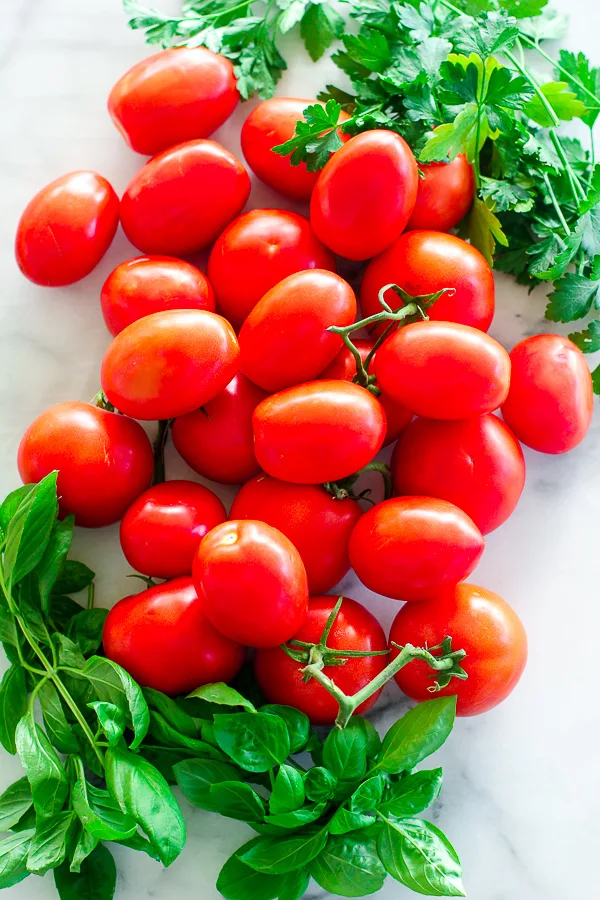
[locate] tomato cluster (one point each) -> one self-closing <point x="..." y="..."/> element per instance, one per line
<point x="255" y="370"/>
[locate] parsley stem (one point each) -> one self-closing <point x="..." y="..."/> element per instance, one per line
<point x="577" y="190"/>
<point x="555" y="203"/>
<point x="541" y="96"/>
<point x="535" y="46"/>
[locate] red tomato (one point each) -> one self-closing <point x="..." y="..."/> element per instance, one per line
<point x="149" y="284"/>
<point x="409" y="548"/>
<point x="104" y="460"/>
<point x="444" y="195"/>
<point x="285" y="341"/>
<point x="477" y="464"/>
<point x="442" y="370"/>
<point x="217" y="441"/>
<point x="66" y="229"/>
<point x="173" y="96"/>
<point x="319" y="431"/>
<point x="252" y="583"/>
<point x="169" y="363"/>
<point x="365" y="195"/>
<point x="550" y="401"/>
<point x="479" y="622"/>
<point x="271" y="123"/>
<point x="423" y="262"/>
<point x="279" y="677"/>
<point x="182" y="199"/>
<point x="318" y="526"/>
<point x="161" y="530"/>
<point x="256" y="252"/>
<point x="164" y="640"/>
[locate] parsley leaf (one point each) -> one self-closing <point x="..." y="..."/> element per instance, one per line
<point x="589" y="339"/>
<point x="315" y="138"/>
<point x="563" y="101"/>
<point x="506" y="195"/>
<point x="581" y="73"/>
<point x="321" y="24"/>
<point x="489" y="34"/>
<point x="573" y="297"/>
<point x="485" y="229"/>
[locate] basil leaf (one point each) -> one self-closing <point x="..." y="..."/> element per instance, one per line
<point x="294" y="885"/>
<point x="221" y="694"/>
<point x="100" y="815"/>
<point x="74" y="577"/>
<point x="30" y="609"/>
<point x="319" y="783"/>
<point x="344" y="821"/>
<point x="49" y="844"/>
<point x="298" y="725"/>
<point x="14" y="803"/>
<point x="86" y="844"/>
<point x="237" y="881"/>
<point x="57" y="728"/>
<point x="420" y="732"/>
<point x="68" y="652"/>
<point x="171" y="712"/>
<point x="371" y="735"/>
<point x="96" y="880"/>
<point x="349" y="866"/>
<point x="111" y="718"/>
<point x="164" y="759"/>
<point x="255" y="741"/>
<point x="115" y="685"/>
<point x="195" y="777"/>
<point x="165" y="734"/>
<point x="13" y="857"/>
<point x="142" y="792"/>
<point x="368" y="795"/>
<point x="138" y="842"/>
<point x="278" y="855"/>
<point x="85" y="629"/>
<point x="298" y="817"/>
<point x="8" y="631"/>
<point x="288" y="790"/>
<point x="53" y="559"/>
<point x="29" y="529"/>
<point x="345" y="752"/>
<point x="11" y="504"/>
<point x="46" y="774"/>
<point x="13" y="705"/>
<point x="62" y="610"/>
<point x="420" y="856"/>
<point x="237" y="800"/>
<point x="412" y="794"/>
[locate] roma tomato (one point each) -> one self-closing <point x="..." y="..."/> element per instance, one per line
<point x="164" y="640"/>
<point x="423" y="262"/>
<point x="318" y="526"/>
<point x="217" y="441"/>
<point x="285" y="341"/>
<point x="173" y="96"/>
<point x="252" y="583"/>
<point x="280" y="679"/>
<point x="319" y="431"/>
<point x="149" y="284"/>
<point x="256" y="252"/>
<point x="409" y="548"/>
<point x="169" y="363"/>
<point x="270" y="123"/>
<point x="442" y="370"/>
<point x="476" y="463"/>
<point x="104" y="460"/>
<point x="161" y="530"/>
<point x="444" y="195"/>
<point x="66" y="229"/>
<point x="182" y="199"/>
<point x="479" y="622"/>
<point x="365" y="195"/>
<point x="550" y="401"/>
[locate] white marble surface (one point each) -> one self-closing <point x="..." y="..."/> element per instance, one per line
<point x="522" y="788"/>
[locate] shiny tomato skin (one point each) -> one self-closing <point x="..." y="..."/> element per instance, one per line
<point x="318" y="526"/>
<point x="365" y="195"/>
<point x="173" y="96"/>
<point x="319" y="431"/>
<point x="442" y="370"/>
<point x="285" y="341"/>
<point x="66" y="229"/>
<point x="256" y="252"/>
<point x="169" y="363"/>
<point x="252" y="583"/>
<point x="270" y="123"/>
<point x="164" y="640"/>
<point x="355" y="628"/>
<point x="182" y="199"/>
<point x="444" y="195"/>
<point x="217" y="441"/>
<point x="479" y="622"/>
<point x="104" y="460"/>
<point x="148" y="284"/>
<point x="161" y="530"/>
<point x="423" y="262"/>
<point x="476" y="463"/>
<point x="408" y="548"/>
<point x="550" y="402"/>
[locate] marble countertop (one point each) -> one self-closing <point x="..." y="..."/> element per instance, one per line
<point x="522" y="783"/>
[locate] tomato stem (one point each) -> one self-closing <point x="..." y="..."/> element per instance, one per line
<point x="343" y="488"/>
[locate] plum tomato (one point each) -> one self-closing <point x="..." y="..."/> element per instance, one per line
<point x="66" y="229"/>
<point x="217" y="441"/>
<point x="162" y="528"/>
<point x="173" y="96"/>
<point x="317" y="432"/>
<point x="252" y="583"/>
<point x="479" y="622"/>
<point x="423" y="262"/>
<point x="182" y="199"/>
<point x="550" y="401"/>
<point x="365" y="194"/>
<point x="104" y="460"/>
<point x="285" y="341"/>
<point x="409" y="548"/>
<point x="355" y="628"/>
<point x="169" y="363"/>
<point x="444" y="195"/>
<point x="442" y="370"/>
<point x="162" y="637"/>
<point x="256" y="252"/>
<point x="476" y="463"/>
<point x="318" y="525"/>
